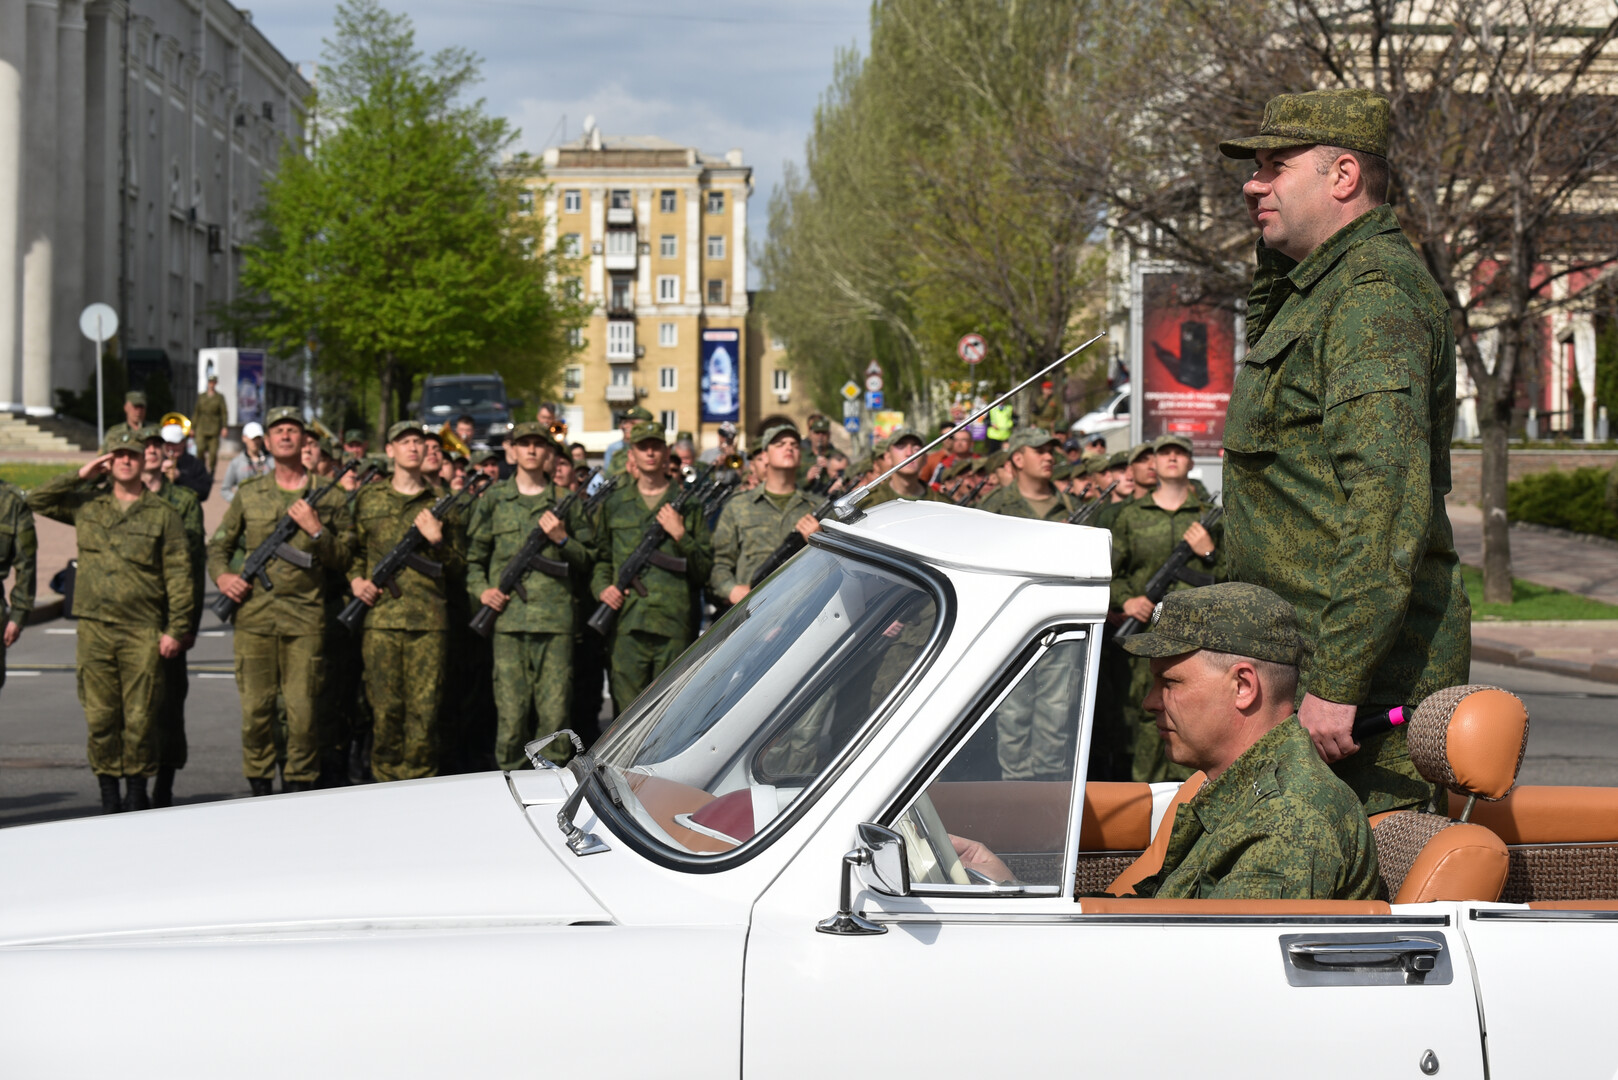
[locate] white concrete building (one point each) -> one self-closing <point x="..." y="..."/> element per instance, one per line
<point x="135" y="136"/>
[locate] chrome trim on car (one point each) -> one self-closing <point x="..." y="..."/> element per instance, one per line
<point x="1012" y="917"/>
<point x="1544" y="915"/>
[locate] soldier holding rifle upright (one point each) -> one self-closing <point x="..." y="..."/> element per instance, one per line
<point x="279" y="631"/>
<point x="1337" y="437"/>
<point x="753" y="524"/>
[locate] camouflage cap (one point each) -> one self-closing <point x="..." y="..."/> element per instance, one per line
<point x="1096" y="464"/>
<point x="135" y="397"/>
<point x="1231" y="617"/>
<point x="1024" y="437"/>
<point x="383" y="463"/>
<point x="284" y="414"/>
<point x="127" y="441"/>
<point x="1118" y="460"/>
<point x="353" y="435"/>
<point x="480" y="457"/>
<point x="148" y="433"/>
<point x="1352" y="119"/>
<point x="635" y="415"/>
<point x="332" y="448"/>
<point x="775" y="431"/>
<point x="958" y="468"/>
<point x="820" y="425"/>
<point x="647" y="429"/>
<point x="996" y="459"/>
<point x="684" y="436"/>
<point x="533" y="429"/>
<point x="1140" y="450"/>
<point x="898" y="435"/>
<point x="406" y="427"/>
<point x="1064" y="470"/>
<point x="1165" y="441"/>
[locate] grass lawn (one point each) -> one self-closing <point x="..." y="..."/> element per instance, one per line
<point x="1532" y="602"/>
<point x="29" y="475"/>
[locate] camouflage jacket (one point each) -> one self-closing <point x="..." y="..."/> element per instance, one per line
<point x="297" y="603"/>
<point x="1143" y="536"/>
<point x="750" y="529"/>
<point x="666" y="609"/>
<point x="380" y="519"/>
<point x="1276" y="825"/>
<point x="1337" y="463"/>
<point x="134" y="569"/>
<point x="210" y="414"/>
<point x="185" y="503"/>
<point x="886" y="494"/>
<point x="19" y="550"/>
<point x="1009" y="501"/>
<point x="500" y="523"/>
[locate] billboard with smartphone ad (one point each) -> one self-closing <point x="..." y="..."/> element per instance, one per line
<point x="1186" y="362"/>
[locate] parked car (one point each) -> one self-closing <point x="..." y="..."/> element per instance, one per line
<point x="1110" y="417"/>
<point x="483" y="397"/>
<point x="751" y="874"/>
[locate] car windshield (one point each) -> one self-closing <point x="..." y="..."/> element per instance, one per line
<point x="458" y="397"/>
<point x="740" y="729"/>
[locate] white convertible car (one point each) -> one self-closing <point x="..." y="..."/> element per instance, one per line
<point x="752" y="875"/>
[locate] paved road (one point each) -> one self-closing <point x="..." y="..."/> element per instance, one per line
<point x="43" y="775"/>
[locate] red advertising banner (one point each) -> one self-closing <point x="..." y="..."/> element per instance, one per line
<point x="1188" y="363"/>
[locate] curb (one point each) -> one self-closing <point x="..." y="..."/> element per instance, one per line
<point x="1500" y="652"/>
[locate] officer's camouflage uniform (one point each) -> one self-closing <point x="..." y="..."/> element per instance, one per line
<point x="533" y="638"/>
<point x="403" y="642"/>
<point x="279" y="631"/>
<point x="650" y="630"/>
<point x="171" y="742"/>
<point x="19" y="548"/>
<point x="750" y="528"/>
<point x="1276" y="825"/>
<point x="134" y="585"/>
<point x="1143" y="537"/>
<point x="209" y="418"/>
<point x="1008" y="501"/>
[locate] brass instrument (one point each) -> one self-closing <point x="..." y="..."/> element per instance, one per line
<point x="559" y="431"/>
<point x="323" y="432"/>
<point x="729" y="461"/>
<point x="176" y="418"/>
<point x="453" y="444"/>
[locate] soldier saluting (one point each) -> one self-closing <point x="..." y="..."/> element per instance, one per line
<point x="1337" y="438"/>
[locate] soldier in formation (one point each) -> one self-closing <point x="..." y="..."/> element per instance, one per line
<point x="19" y="551"/>
<point x="753" y="524"/>
<point x="208" y="423"/>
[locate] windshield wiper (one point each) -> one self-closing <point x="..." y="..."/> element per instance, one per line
<point x="583" y="766"/>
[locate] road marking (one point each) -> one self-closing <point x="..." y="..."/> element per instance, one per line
<point x="24" y="674"/>
<point x="67" y="630"/>
<point x="211" y="633"/>
<point x="214" y="675"/>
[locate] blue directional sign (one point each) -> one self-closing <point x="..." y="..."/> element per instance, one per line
<point x="851" y="424"/>
<point x="873" y="399"/>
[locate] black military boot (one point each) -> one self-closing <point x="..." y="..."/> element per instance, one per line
<point x="135" y="797"/>
<point x="163" y="787"/>
<point x="261" y="785"/>
<point x="111" y="800"/>
<point x="297" y="785"/>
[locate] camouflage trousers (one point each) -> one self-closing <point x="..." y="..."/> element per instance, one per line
<point x="637" y="659"/>
<point x="289" y="667"/>
<point x="208" y="450"/>
<point x="121" y="689"/>
<point x="532" y="684"/>
<point x="1035" y="724"/>
<point x="171" y="745"/>
<point x="404" y="680"/>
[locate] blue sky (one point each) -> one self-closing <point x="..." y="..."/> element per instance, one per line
<point x="717" y="75"/>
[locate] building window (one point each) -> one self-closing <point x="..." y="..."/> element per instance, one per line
<point x="716" y="202"/>
<point x="621" y="340"/>
<point x="572" y="245"/>
<point x="573" y="288"/>
<point x="525" y="202"/>
<point x="573" y="378"/>
<point x="619" y="200"/>
<point x="575" y="336"/>
<point x="716" y="247"/>
<point x="665" y="201"/>
<point x="620" y="242"/>
<point x="571" y="202"/>
<point x="527" y="247"/>
<point x="667" y="378"/>
<point x="622" y="377"/>
<point x="620" y="294"/>
<point x="667" y="335"/>
<point x="671" y="421"/>
<point x="668" y="288"/>
<point x="668" y="246"/>
<point x="716" y="291"/>
<point x="781" y="381"/>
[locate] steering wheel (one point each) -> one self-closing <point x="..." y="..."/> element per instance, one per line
<point x="928" y="848"/>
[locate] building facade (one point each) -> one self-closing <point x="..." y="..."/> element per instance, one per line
<point x="135" y="137"/>
<point x="656" y="238"/>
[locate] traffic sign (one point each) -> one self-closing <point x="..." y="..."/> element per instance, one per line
<point x="873" y="399"/>
<point x="98" y="322"/>
<point x="851" y="390"/>
<point x="873" y="368"/>
<point x="851" y="408"/>
<point x="972" y="348"/>
<point x="873" y="382"/>
<point x="851" y="424"/>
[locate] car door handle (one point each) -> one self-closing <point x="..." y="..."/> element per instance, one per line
<point x="1365" y="959"/>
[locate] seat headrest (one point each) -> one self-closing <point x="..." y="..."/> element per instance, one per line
<point x="1470" y="739"/>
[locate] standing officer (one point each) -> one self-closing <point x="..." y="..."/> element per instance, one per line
<point x="908" y="483"/>
<point x="134" y="605"/>
<point x="134" y="417"/>
<point x="171" y="743"/>
<point x="19" y="548"/>
<point x="208" y="423"/>
<point x="533" y="637"/>
<point x="655" y="625"/>
<point x="1337" y="438"/>
<point x="403" y="641"/>
<point x="279" y="631"/>
<point x="1030" y="494"/>
<point x="753" y="524"/>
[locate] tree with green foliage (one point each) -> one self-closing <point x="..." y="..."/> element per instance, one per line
<point x="393" y="249"/>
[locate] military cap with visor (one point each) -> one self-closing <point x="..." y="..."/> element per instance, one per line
<point x="283" y="414"/>
<point x="148" y="433"/>
<point x="635" y="414"/>
<point x="480" y="457"/>
<point x="1140" y="450"/>
<point x="406" y="427"/>
<point x="1165" y="441"/>
<point x="1118" y="460"/>
<point x="820" y="425"/>
<point x="1025" y="437"/>
<point x="1351" y="119"/>
<point x="898" y="435"/>
<point x="135" y="397"/>
<point x="775" y="431"/>
<point x="647" y="429"/>
<point x="533" y="429"/>
<point x="1230" y="617"/>
<point x="125" y="441"/>
<point x="354" y="435"/>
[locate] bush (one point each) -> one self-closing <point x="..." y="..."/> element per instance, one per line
<point x="1576" y="501"/>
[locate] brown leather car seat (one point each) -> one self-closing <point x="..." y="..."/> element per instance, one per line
<point x="1469" y="740"/>
<point x="1150" y="861"/>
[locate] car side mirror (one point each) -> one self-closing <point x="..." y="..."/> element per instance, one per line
<point x="880" y="860"/>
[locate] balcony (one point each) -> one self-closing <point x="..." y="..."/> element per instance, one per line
<point x="620" y="215"/>
<point x="620" y="395"/>
<point x="621" y="247"/>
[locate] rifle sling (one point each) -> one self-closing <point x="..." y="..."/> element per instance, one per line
<point x="674" y="564"/>
<point x="555" y="568"/>
<point x="1192" y="577"/>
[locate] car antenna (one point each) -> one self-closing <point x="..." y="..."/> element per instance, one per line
<point x="847" y="509"/>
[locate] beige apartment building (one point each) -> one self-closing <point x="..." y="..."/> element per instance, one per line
<point x="658" y="232"/>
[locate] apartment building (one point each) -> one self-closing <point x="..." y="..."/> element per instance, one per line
<point x="657" y="237"/>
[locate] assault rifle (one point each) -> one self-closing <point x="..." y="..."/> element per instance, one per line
<point x="971" y="497"/>
<point x="407" y="553"/>
<point x="528" y="558"/>
<point x="794" y="541"/>
<point x="278" y="545"/>
<point x="1174" y="569"/>
<point x="1088" y="510"/>
<point x="647" y="553"/>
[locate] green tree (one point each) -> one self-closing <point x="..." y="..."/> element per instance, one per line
<point x="394" y="248"/>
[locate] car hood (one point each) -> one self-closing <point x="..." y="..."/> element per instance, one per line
<point x="453" y="852"/>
